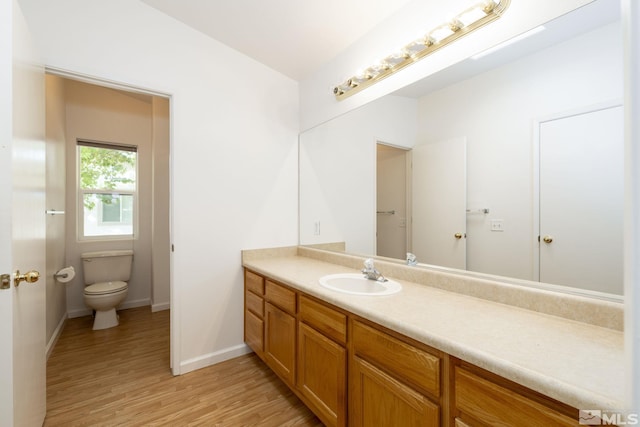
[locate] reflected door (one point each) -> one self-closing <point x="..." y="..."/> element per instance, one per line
<point x="440" y="203"/>
<point x="581" y="200"/>
<point x="391" y="201"/>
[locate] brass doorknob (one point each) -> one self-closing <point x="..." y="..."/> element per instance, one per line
<point x="29" y="277"/>
<point x="547" y="239"/>
<point x="458" y="236"/>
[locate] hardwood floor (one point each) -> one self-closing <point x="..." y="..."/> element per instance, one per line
<point x="121" y="377"/>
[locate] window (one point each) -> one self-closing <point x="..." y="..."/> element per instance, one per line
<point x="107" y="187"/>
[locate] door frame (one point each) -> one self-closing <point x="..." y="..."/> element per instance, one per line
<point x="175" y="336"/>
<point x="537" y="123"/>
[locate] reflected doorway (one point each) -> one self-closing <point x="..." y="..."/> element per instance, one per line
<point x="393" y="201"/>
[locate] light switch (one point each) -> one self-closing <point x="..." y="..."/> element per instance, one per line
<point x="497" y="225"/>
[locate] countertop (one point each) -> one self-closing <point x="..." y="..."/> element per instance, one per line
<point x="576" y="363"/>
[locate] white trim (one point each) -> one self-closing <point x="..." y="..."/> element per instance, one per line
<point x="213" y="358"/>
<point x="112" y="84"/>
<point x="631" y="41"/>
<point x="56" y="335"/>
<point x="160" y="307"/>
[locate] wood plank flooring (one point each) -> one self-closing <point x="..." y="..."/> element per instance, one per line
<point x="121" y="377"/>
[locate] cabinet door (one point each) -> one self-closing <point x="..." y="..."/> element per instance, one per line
<point x="322" y="375"/>
<point x="253" y="332"/>
<point x="378" y="400"/>
<point x="280" y="342"/>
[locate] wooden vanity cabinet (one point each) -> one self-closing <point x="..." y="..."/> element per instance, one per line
<point x="350" y="371"/>
<point x="392" y="382"/>
<point x="322" y="360"/>
<point x="280" y="331"/>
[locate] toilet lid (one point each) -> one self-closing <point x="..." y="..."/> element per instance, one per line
<point x="103" y="288"/>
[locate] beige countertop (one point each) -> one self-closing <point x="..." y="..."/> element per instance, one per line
<point x="574" y="362"/>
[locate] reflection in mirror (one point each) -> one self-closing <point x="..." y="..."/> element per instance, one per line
<point x="538" y="131"/>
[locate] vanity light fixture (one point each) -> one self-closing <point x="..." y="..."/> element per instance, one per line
<point x="465" y="22"/>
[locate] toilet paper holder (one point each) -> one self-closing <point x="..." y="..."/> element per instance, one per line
<point x="60" y="275"/>
<point x="65" y="275"/>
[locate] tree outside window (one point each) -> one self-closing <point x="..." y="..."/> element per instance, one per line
<point x="107" y="189"/>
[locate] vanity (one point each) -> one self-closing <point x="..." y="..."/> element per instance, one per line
<point x="447" y="350"/>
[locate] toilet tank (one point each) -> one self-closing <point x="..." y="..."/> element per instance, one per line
<point x="107" y="266"/>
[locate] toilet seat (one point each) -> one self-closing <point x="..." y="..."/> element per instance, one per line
<point x="105" y="288"/>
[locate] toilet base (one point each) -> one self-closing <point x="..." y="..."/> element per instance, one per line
<point x="105" y="319"/>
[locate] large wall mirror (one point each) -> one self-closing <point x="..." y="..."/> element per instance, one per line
<point x="508" y="164"/>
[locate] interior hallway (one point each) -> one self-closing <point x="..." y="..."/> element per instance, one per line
<point x="121" y="376"/>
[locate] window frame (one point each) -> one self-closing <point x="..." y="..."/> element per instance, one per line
<point x="81" y="192"/>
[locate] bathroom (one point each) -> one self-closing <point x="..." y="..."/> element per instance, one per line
<point x="77" y="110"/>
<point x="257" y="206"/>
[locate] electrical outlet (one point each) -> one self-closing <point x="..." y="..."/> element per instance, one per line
<point x="497" y="225"/>
<point x="316" y="228"/>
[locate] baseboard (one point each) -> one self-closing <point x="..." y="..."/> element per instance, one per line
<point x="54" y="338"/>
<point x="213" y="358"/>
<point x="81" y="312"/>
<point x="160" y="307"/>
<point x="133" y="304"/>
<point x="127" y="304"/>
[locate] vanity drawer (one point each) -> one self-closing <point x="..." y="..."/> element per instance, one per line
<point x="254" y="304"/>
<point x="281" y="296"/>
<point x="411" y="364"/>
<point x="330" y="322"/>
<point x="254" y="282"/>
<point x="497" y="403"/>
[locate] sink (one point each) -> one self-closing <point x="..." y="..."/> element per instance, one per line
<point x="357" y="284"/>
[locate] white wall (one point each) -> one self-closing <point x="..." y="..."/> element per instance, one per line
<point x="56" y="295"/>
<point x="234" y="151"/>
<point x="338" y="171"/>
<point x="496" y="112"/>
<point x="317" y="102"/>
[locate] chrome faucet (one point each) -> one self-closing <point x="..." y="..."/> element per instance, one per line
<point x="411" y="259"/>
<point x="370" y="271"/>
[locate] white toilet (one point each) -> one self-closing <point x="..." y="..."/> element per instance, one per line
<point x="105" y="276"/>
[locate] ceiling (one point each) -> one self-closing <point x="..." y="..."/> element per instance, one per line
<point x="293" y="37"/>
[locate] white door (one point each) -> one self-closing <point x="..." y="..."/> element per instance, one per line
<point x="440" y="203"/>
<point x="22" y="227"/>
<point x="581" y="200"/>
<point x="391" y="201"/>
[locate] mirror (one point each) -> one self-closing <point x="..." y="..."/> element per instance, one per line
<point x="505" y="109"/>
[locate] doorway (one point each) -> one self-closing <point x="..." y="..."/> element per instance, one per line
<point x="87" y="109"/>
<point x="393" y="203"/>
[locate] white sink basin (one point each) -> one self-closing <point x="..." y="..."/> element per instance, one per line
<point x="357" y="284"/>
